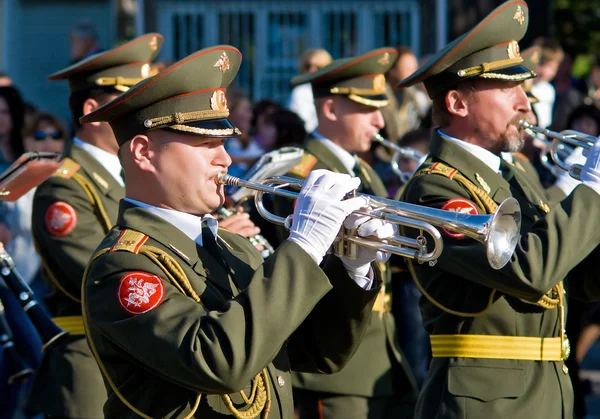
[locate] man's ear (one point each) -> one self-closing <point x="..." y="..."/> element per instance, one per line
<point x="329" y="109"/>
<point x="89" y="106"/>
<point x="141" y="152"/>
<point x="456" y="103"/>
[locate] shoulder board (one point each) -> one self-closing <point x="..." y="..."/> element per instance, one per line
<point x="129" y="241"/>
<point x="305" y="165"/>
<point x="67" y="168"/>
<point x="438" y="169"/>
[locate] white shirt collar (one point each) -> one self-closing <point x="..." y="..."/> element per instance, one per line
<point x="109" y="161"/>
<point x="490" y="159"/>
<point x="508" y="157"/>
<point x="189" y="224"/>
<point x="347" y="159"/>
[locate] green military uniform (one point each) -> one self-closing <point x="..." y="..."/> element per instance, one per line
<point x="378" y="371"/>
<point x="497" y="336"/>
<point x="72" y="212"/>
<point x="208" y="331"/>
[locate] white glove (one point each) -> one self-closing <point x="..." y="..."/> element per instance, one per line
<point x="367" y="226"/>
<point x="320" y="210"/>
<point x="565" y="181"/>
<point x="590" y="174"/>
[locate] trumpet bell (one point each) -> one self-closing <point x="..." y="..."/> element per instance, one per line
<point x="503" y="233"/>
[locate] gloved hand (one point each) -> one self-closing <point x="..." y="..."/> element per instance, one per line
<point x="590" y="174"/>
<point x="367" y="226"/>
<point x="320" y="210"/>
<point x="565" y="181"/>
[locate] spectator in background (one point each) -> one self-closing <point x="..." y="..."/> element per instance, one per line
<point x="407" y="106"/>
<point x="260" y="113"/>
<point x="590" y="85"/>
<point x="283" y="128"/>
<point x="301" y="98"/>
<point x="84" y="40"/>
<point x="243" y="149"/>
<point x="12" y="118"/>
<point x="567" y="96"/>
<point x="550" y="58"/>
<point x="5" y="79"/>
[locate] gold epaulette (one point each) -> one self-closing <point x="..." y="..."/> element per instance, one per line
<point x="67" y="168"/>
<point x="305" y="165"/>
<point x="129" y="241"/>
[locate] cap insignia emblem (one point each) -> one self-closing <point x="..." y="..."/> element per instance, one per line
<point x="384" y="59"/>
<point x="379" y="83"/>
<point x="223" y="63"/>
<point x="153" y="44"/>
<point x="145" y="70"/>
<point x="513" y="50"/>
<point x="519" y="16"/>
<point x="218" y="101"/>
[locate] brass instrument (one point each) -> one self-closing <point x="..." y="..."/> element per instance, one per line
<point x="256" y="240"/>
<point x="559" y="139"/>
<point x="49" y="332"/>
<point x="399" y="153"/>
<point x="499" y="232"/>
<point x="19" y="370"/>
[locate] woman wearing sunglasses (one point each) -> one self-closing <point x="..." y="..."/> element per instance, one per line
<point x="44" y="133"/>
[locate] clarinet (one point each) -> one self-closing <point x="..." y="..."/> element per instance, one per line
<point x="49" y="332"/>
<point x="256" y="240"/>
<point x="19" y="368"/>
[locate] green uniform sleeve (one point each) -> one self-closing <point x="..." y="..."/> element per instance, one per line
<point x="66" y="256"/>
<point x="209" y="351"/>
<point x="547" y="249"/>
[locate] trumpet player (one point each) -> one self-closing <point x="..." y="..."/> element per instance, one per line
<point x="377" y="382"/>
<point x="497" y="337"/>
<point x="185" y="319"/>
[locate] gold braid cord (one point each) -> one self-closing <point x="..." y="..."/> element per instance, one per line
<point x="483" y="200"/>
<point x="259" y="400"/>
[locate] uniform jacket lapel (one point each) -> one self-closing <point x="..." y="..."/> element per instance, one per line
<point x="104" y="182"/>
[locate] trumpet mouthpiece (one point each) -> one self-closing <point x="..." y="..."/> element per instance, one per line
<point x="524" y="124"/>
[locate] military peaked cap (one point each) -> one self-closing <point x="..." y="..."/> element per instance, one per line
<point x="488" y="51"/>
<point x="119" y="68"/>
<point x="187" y="97"/>
<point x="360" y="78"/>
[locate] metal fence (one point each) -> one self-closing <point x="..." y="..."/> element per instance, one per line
<point x="271" y="35"/>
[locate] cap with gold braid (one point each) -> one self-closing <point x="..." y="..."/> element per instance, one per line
<point x="120" y="67"/>
<point x="531" y="59"/>
<point x="488" y="51"/>
<point x="187" y="97"/>
<point x="360" y="78"/>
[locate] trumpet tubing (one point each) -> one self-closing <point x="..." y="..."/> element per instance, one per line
<point x="556" y="147"/>
<point x="399" y="152"/>
<point x="499" y="232"/>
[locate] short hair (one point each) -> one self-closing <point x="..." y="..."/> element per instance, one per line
<point x="313" y="52"/>
<point x="16" y="107"/>
<point x="85" y="29"/>
<point x="78" y="98"/>
<point x="440" y="115"/>
<point x="414" y="137"/>
<point x="550" y="50"/>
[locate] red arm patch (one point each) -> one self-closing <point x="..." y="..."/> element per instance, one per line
<point x="462" y="206"/>
<point x="140" y="292"/>
<point x="60" y="218"/>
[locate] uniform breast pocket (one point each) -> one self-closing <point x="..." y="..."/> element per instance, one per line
<point x="486" y="383"/>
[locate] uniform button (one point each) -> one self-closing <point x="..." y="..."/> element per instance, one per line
<point x="280" y="381"/>
<point x="565" y="369"/>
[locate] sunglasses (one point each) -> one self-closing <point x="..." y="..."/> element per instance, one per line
<point x="42" y="135"/>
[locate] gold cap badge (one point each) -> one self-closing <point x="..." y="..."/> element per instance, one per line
<point x="519" y="16"/>
<point x="513" y="49"/>
<point x="223" y="63"/>
<point x="385" y="59"/>
<point x="153" y="43"/>
<point x="218" y="101"/>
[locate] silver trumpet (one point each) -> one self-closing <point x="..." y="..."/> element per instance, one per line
<point x="557" y="146"/>
<point x="399" y="153"/>
<point x="499" y="232"/>
<point x="256" y="240"/>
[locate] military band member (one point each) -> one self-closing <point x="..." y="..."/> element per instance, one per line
<point x="377" y="382"/>
<point x="497" y="336"/>
<point x="184" y="318"/>
<point x="72" y="212"/>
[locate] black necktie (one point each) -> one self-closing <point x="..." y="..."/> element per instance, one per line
<point x="209" y="243"/>
<point x="507" y="170"/>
